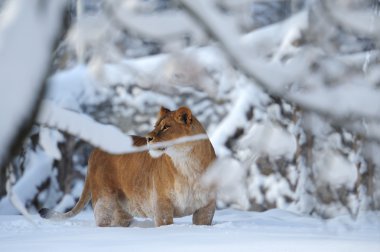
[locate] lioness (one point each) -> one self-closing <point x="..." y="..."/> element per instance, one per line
<point x="161" y="183"/>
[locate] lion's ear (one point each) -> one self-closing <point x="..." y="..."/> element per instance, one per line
<point x="183" y="115"/>
<point x="163" y="111"/>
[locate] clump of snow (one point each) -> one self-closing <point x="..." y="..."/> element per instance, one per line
<point x="335" y="170"/>
<point x="276" y="188"/>
<point x="247" y="97"/>
<point x="268" y="138"/>
<point x="72" y="87"/>
<point x="49" y="140"/>
<point x="316" y="125"/>
<point x="66" y="203"/>
<point x="227" y="175"/>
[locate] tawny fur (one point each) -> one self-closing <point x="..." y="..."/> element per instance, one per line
<point x="160" y="184"/>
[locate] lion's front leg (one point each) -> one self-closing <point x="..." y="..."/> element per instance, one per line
<point x="164" y="212"/>
<point x="204" y="215"/>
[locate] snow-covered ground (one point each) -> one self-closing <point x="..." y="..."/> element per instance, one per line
<point x="274" y="230"/>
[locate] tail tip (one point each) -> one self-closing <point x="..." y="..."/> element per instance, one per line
<point x="45" y="213"/>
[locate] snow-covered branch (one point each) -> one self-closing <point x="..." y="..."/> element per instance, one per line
<point x="361" y="22"/>
<point x="360" y="101"/>
<point x="106" y="137"/>
<point x="26" y="188"/>
<point x="28" y="30"/>
<point x="236" y="119"/>
<point x="262" y="42"/>
<point x="14" y="198"/>
<point x="154" y="26"/>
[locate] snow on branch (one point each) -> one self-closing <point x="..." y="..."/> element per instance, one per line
<point x="236" y="119"/>
<point x="361" y="22"/>
<point x="351" y="103"/>
<point x="262" y="42"/>
<point x="235" y="4"/>
<point x="357" y="59"/>
<point x="26" y="188"/>
<point x="164" y="26"/>
<point x="15" y="199"/>
<point x="28" y="30"/>
<point x="106" y="137"/>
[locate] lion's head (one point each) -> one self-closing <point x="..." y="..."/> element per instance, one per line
<point x="172" y="125"/>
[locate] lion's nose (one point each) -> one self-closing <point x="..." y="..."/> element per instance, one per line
<point x="149" y="139"/>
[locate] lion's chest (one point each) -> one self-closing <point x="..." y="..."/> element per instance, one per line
<point x="188" y="194"/>
<point x="187" y="197"/>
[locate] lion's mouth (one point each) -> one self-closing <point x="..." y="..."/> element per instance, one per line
<point x="156" y="148"/>
<point x="156" y="151"/>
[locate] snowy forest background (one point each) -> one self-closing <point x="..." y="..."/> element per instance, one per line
<point x="289" y="92"/>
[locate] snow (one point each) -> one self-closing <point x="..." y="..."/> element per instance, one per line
<point x="270" y="56"/>
<point x="316" y="124"/>
<point x="247" y="97"/>
<point x="335" y="170"/>
<point x="66" y="202"/>
<point x="69" y="88"/>
<point x="262" y="42"/>
<point x="158" y="26"/>
<point x="230" y="186"/>
<point x="26" y="36"/>
<point x="357" y="20"/>
<point x="106" y="137"/>
<point x="353" y="100"/>
<point x="158" y="72"/>
<point x="95" y="32"/>
<point x="268" y="138"/>
<point x="49" y="140"/>
<point x="39" y="169"/>
<point x="232" y="230"/>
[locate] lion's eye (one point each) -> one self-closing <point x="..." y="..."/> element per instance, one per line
<point x="165" y="127"/>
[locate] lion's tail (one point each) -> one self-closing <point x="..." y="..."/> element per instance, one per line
<point x="83" y="201"/>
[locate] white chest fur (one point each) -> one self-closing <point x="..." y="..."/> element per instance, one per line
<point x="188" y="194"/>
<point x="184" y="161"/>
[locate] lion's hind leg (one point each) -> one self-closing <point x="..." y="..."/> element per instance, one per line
<point x="109" y="213"/>
<point x="121" y="218"/>
<point x="103" y="211"/>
